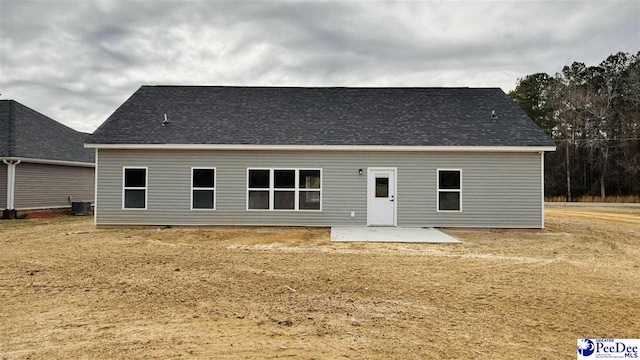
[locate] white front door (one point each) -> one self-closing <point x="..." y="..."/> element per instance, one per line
<point x="381" y="197"/>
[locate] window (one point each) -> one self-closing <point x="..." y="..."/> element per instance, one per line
<point x="284" y="189"/>
<point x="449" y="190"/>
<point x="382" y="187"/>
<point x="259" y="189"/>
<point x="134" y="189"/>
<point x="310" y="191"/>
<point x="203" y="188"/>
<point x="284" y="195"/>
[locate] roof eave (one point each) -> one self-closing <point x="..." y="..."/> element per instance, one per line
<point x="47" y="161"/>
<point x="320" y="147"/>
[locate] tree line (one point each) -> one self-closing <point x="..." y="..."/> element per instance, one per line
<point x="593" y="115"/>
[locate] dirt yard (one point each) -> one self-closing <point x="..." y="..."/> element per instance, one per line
<point x="69" y="290"/>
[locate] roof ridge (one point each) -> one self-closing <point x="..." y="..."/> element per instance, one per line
<point x="323" y="87"/>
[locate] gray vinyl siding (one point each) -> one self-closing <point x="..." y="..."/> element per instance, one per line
<point x="3" y="186"/>
<point x="498" y="189"/>
<point x="40" y="186"/>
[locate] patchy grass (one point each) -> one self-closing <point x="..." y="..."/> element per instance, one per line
<point x="608" y="199"/>
<point x="69" y="290"/>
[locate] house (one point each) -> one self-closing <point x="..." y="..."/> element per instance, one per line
<point x="43" y="164"/>
<point x="410" y="157"/>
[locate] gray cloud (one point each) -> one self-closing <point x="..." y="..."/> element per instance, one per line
<point x="76" y="61"/>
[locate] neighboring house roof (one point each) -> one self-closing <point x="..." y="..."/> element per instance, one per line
<point x="25" y="133"/>
<point x="320" y="116"/>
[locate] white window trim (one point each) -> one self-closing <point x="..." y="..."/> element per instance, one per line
<point x="271" y="189"/>
<point x="438" y="190"/>
<point x="145" y="188"/>
<point x="215" y="192"/>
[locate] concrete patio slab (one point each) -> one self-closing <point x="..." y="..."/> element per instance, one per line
<point x="390" y="234"/>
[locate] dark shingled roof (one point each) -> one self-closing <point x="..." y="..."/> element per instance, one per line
<point x="26" y="133"/>
<point x="320" y="116"/>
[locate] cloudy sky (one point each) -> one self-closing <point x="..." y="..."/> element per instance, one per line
<point x="77" y="61"/>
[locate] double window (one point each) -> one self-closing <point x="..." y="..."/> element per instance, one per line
<point x="449" y="190"/>
<point x="134" y="189"/>
<point x="284" y="189"/>
<point x="203" y="188"/>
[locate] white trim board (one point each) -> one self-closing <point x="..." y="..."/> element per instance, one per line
<point x="49" y="162"/>
<point x="320" y="147"/>
<point x="95" y="192"/>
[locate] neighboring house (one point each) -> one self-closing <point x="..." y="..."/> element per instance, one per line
<point x="412" y="157"/>
<point x="43" y="164"/>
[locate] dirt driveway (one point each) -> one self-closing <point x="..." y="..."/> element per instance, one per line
<point x="69" y="290"/>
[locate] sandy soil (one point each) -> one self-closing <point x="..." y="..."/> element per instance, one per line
<point x="69" y="290"/>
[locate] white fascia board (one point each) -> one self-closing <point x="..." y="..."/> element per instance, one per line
<point x="321" y="147"/>
<point x="49" y="162"/>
